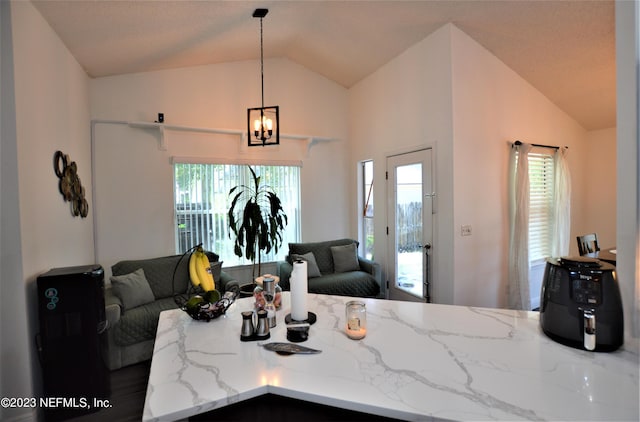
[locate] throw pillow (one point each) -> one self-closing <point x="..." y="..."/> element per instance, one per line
<point x="312" y="265"/>
<point x="132" y="289"/>
<point x="345" y="258"/>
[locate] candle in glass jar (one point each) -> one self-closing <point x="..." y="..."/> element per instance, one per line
<point x="354" y="330"/>
<point x="356" y="318"/>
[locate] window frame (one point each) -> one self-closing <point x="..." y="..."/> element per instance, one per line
<point x="366" y="209"/>
<point x="541" y="195"/>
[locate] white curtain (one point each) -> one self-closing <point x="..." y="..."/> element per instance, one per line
<point x="518" y="288"/>
<point x="562" y="205"/>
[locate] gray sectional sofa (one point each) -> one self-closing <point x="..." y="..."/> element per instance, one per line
<point x="334" y="267"/>
<point x="139" y="291"/>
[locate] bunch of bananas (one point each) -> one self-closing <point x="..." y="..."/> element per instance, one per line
<point x="201" y="275"/>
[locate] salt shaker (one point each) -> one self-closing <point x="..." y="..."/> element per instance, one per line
<point x="246" y="333"/>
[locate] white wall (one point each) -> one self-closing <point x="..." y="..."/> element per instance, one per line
<point x="628" y="155"/>
<point x="133" y="178"/>
<point x="51" y="113"/>
<point x="600" y="187"/>
<point x="6" y="101"/>
<point x="492" y="107"/>
<point x="14" y="340"/>
<point x="404" y="105"/>
<point x="449" y="92"/>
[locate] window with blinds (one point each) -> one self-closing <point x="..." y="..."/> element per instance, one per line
<point x="202" y="201"/>
<point x="541" y="185"/>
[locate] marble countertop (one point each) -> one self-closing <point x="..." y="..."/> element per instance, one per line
<point x="417" y="361"/>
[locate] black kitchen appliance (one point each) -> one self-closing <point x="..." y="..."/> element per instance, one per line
<point x="581" y="304"/>
<point x="72" y="340"/>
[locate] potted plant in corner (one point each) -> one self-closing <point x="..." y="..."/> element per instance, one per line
<point x="257" y="220"/>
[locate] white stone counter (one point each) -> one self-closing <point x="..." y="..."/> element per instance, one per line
<point x="418" y="361"/>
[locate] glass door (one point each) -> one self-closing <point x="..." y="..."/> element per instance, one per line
<point x="410" y="219"/>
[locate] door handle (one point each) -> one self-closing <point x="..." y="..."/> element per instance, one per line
<point x="426" y="279"/>
<point x="589" y="340"/>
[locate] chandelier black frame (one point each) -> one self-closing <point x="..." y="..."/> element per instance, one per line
<point x="263" y="123"/>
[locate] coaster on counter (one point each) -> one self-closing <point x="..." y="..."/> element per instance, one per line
<point x="311" y="318"/>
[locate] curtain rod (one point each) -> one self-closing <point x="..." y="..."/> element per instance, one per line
<point x="539" y="145"/>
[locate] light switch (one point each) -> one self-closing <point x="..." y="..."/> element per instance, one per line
<point x="465" y="230"/>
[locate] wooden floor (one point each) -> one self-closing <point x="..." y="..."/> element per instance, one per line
<point x="128" y="391"/>
<point x="129" y="388"/>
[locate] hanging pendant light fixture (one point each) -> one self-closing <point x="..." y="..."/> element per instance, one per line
<point x="263" y="125"/>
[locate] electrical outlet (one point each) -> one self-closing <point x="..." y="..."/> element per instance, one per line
<point x="465" y="230"/>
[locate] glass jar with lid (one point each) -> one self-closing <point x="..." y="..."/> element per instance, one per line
<point x="258" y="291"/>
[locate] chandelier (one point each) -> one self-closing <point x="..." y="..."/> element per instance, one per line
<point x="263" y="126"/>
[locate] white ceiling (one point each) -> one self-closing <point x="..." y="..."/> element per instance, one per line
<point x="566" y="49"/>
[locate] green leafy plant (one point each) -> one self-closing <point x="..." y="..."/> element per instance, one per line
<point x="256" y="219"/>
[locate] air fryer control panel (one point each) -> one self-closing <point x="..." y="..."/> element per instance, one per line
<point x="586" y="287"/>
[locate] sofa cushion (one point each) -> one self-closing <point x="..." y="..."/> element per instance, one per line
<point x="159" y="273"/>
<point x="132" y="289"/>
<point x="321" y="252"/>
<point x="312" y="265"/>
<point x="140" y="324"/>
<point x="345" y="258"/>
<point x="354" y="283"/>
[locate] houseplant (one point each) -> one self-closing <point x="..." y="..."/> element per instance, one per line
<point x="256" y="219"/>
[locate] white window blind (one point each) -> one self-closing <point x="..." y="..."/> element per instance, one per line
<point x="201" y="193"/>
<point x="541" y="185"/>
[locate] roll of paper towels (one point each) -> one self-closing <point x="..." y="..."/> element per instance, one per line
<point x="298" y="286"/>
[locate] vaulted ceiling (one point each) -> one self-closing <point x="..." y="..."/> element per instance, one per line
<point x="566" y="49"/>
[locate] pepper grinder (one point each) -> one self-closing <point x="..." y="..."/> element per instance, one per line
<point x="269" y="295"/>
<point x="247" y="331"/>
<point x="262" y="331"/>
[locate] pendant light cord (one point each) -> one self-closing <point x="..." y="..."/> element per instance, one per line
<point x="261" y="66"/>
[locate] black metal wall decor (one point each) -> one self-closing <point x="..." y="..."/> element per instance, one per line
<point x="69" y="184"/>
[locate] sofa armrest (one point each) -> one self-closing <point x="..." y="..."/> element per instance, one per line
<point x="224" y="282"/>
<point x="284" y="272"/>
<point x="369" y="266"/>
<point x="374" y="269"/>
<point x="113" y="307"/>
